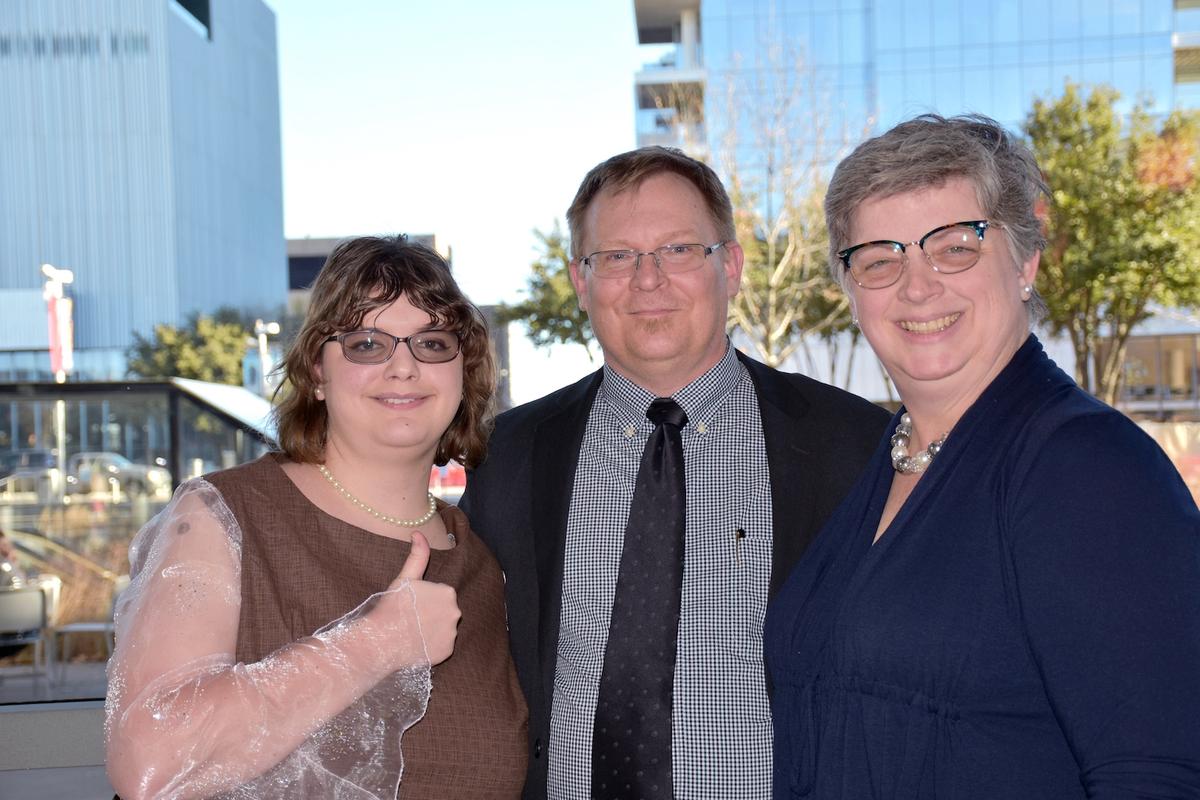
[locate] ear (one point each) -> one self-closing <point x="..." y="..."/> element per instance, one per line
<point x="733" y="262"/>
<point x="1029" y="270"/>
<point x="579" y="281"/>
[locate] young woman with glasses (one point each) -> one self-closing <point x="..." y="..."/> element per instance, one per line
<point x="287" y="618"/>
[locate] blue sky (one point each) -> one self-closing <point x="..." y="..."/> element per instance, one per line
<point x="468" y="119"/>
<point x="471" y="120"/>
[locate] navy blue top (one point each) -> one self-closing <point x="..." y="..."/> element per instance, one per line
<point x="1027" y="627"/>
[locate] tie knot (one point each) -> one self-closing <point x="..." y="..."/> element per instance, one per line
<point x="666" y="411"/>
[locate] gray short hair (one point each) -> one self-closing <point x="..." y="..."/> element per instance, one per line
<point x="927" y="151"/>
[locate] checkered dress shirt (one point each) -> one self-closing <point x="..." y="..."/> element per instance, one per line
<point x="721" y="739"/>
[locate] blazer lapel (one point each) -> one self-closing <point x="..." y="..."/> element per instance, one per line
<point x="557" y="442"/>
<point x="792" y="467"/>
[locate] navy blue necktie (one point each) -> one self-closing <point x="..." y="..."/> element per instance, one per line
<point x="631" y="742"/>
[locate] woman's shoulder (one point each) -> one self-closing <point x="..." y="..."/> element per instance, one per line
<point x="266" y="467"/>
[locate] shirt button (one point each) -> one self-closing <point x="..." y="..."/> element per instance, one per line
<point x="537" y="748"/>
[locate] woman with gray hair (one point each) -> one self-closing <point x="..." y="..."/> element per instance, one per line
<point x="1008" y="603"/>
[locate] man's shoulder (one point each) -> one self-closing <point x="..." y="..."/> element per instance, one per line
<point x="571" y="397"/>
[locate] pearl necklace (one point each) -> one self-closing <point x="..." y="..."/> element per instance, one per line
<point x="403" y="523"/>
<point x="902" y="462"/>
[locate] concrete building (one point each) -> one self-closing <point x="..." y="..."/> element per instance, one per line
<point x="140" y="149"/>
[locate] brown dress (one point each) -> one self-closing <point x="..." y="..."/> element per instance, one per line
<point x="302" y="568"/>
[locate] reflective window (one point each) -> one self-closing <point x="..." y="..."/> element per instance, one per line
<point x="1006" y="55"/>
<point x="1097" y="21"/>
<point x="977" y="89"/>
<point x="918" y="59"/>
<point x="82" y="468"/>
<point x="854" y="28"/>
<point x="1035" y="52"/>
<point x="1040" y="81"/>
<point x="946" y="24"/>
<point x="1004" y="20"/>
<point x="1126" y="46"/>
<point x="1009" y="101"/>
<point x="1159" y="78"/>
<point x="976" y="22"/>
<point x="1097" y="72"/>
<point x="1067" y="51"/>
<point x="1097" y="49"/>
<point x="1127" y="79"/>
<point x="1066" y="19"/>
<point x="1187" y="20"/>
<point x="886" y="22"/>
<point x="1187" y="95"/>
<point x="915" y="25"/>
<point x="1127" y="16"/>
<point x="976" y="57"/>
<point x="947" y="59"/>
<point x="948" y="93"/>
<point x="825" y="34"/>
<point x="1035" y="20"/>
<point x="919" y="90"/>
<point x="1156" y="15"/>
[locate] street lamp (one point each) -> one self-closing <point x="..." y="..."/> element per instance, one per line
<point x="262" y="330"/>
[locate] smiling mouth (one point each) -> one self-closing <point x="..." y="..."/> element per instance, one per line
<point x="399" y="401"/>
<point x="932" y="326"/>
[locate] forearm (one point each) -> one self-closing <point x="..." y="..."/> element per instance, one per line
<point x="220" y="725"/>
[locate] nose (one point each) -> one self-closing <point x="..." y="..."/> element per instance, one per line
<point x="647" y="275"/>
<point x="920" y="281"/>
<point x="403" y="364"/>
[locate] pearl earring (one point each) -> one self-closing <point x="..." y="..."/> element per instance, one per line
<point x="320" y="395"/>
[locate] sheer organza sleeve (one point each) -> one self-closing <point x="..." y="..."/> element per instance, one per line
<point x="183" y="719"/>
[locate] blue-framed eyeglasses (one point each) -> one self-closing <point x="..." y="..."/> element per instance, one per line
<point x="948" y="249"/>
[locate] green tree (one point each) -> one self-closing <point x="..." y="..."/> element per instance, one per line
<point x="204" y="349"/>
<point x="1123" y="227"/>
<point x="550" y="311"/>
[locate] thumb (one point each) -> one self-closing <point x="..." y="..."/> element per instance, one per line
<point x="418" y="558"/>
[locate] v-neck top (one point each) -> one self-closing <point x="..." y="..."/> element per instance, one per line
<point x="1028" y="626"/>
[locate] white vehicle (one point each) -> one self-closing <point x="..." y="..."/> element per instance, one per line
<point x="102" y="472"/>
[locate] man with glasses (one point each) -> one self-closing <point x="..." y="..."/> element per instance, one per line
<point x="644" y="514"/>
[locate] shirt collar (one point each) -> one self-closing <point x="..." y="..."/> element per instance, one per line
<point x="699" y="399"/>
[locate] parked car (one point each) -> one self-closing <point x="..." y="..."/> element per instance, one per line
<point x="34" y="470"/>
<point x="100" y="472"/>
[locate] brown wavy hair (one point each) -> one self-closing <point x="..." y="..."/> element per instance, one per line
<point x="360" y="276"/>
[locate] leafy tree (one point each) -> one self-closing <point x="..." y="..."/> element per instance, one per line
<point x="1123" y="227"/>
<point x="204" y="349"/>
<point x="551" y="312"/>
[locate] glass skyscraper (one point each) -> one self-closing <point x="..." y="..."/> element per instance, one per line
<point x="870" y="63"/>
